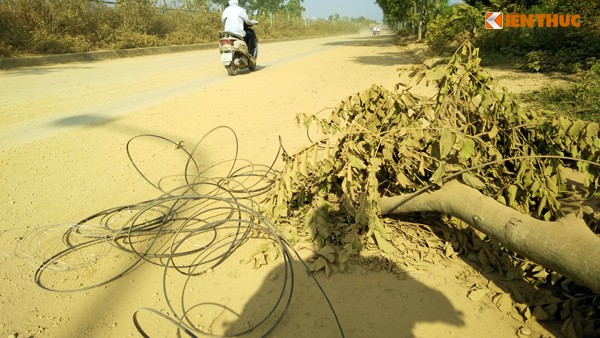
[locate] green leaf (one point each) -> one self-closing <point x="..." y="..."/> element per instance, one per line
<point x="310" y="224"/>
<point x="326" y="167"/>
<point x="344" y="256"/>
<point x="565" y="123"/>
<point x="376" y="162"/>
<point x="403" y="181"/>
<point x="315" y="158"/>
<point x="542" y="205"/>
<point x="551" y="309"/>
<point x="304" y="164"/>
<point x="357" y="163"/>
<point x="512" y="195"/>
<point x="467" y="150"/>
<point x="576" y="128"/>
<point x="439" y="173"/>
<point x="281" y="210"/>
<point x="449" y="250"/>
<point x="569" y="329"/>
<point x="494" y="132"/>
<point x="501" y="199"/>
<point x="472" y="180"/>
<point x="592" y="129"/>
<point x="436" y="73"/>
<point x="364" y="97"/>
<point x="547" y="216"/>
<point x="447" y="139"/>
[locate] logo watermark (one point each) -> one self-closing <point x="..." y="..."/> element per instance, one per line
<point x="499" y="20"/>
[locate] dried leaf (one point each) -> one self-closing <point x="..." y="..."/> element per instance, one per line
<point x="383" y="244"/>
<point x="318" y="264"/>
<point x="540" y="314"/>
<point x="449" y="250"/>
<point x="477" y="294"/>
<point x="328" y="252"/>
<point x="503" y="302"/>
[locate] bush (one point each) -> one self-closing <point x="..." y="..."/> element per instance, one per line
<point x="446" y="32"/>
<point x="126" y="38"/>
<point x="558" y="49"/>
<point x="5" y="49"/>
<point x="49" y="44"/>
<point x="58" y="26"/>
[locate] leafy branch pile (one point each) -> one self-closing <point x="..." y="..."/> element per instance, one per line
<point x="384" y="143"/>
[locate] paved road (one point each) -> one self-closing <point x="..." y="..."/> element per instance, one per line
<point x="41" y="101"/>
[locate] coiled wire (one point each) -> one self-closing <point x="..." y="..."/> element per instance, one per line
<point x="191" y="229"/>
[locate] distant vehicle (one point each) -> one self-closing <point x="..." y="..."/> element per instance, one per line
<point x="236" y="54"/>
<point x="376" y="30"/>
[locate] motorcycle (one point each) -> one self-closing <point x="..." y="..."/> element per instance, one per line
<point x="235" y="53"/>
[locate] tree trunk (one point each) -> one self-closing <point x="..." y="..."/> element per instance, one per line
<point x="566" y="246"/>
<point x="420" y="25"/>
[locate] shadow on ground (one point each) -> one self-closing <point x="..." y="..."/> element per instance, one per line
<point x="520" y="291"/>
<point x="372" y="41"/>
<point x="82" y="120"/>
<point x="367" y="303"/>
<point x="229" y="302"/>
<point x="378" y="57"/>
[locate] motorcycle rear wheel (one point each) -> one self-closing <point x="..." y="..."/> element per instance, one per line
<point x="232" y="70"/>
<point x="252" y="65"/>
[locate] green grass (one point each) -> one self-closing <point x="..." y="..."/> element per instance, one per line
<point x="578" y="100"/>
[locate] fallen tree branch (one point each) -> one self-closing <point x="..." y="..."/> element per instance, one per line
<point x="566" y="246"/>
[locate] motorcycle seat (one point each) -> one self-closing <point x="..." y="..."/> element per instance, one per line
<point x="225" y="34"/>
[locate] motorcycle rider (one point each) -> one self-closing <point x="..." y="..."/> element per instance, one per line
<point x="234" y="18"/>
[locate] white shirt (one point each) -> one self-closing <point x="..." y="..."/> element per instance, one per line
<point x="234" y="18"/>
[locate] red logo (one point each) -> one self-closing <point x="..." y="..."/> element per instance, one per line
<point x="494" y="20"/>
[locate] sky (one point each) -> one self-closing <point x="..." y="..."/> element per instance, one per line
<point x="350" y="8"/>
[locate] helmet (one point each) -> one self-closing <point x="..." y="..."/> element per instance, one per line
<point x="233" y="2"/>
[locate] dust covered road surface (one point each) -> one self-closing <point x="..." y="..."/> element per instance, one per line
<point x="63" y="136"/>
